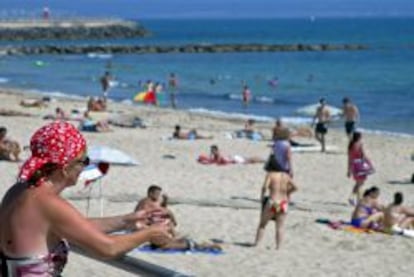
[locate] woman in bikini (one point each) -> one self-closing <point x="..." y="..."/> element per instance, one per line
<point x="37" y="223"/>
<point x="359" y="166"/>
<point x="368" y="212"/>
<point x="280" y="186"/>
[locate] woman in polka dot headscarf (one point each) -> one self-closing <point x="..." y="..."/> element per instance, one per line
<point x="35" y="219"/>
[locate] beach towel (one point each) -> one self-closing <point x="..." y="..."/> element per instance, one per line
<point x="147" y="248"/>
<point x="315" y="148"/>
<point x="344" y="226"/>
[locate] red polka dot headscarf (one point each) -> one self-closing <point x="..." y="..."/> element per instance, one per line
<point x="55" y="143"/>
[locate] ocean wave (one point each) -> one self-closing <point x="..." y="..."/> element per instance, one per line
<point x="263" y="99"/>
<point x="386" y="133"/>
<point x="256" y="99"/>
<point x="59" y="94"/>
<point x="3" y="80"/>
<point x="226" y="115"/>
<point x="291" y="120"/>
<point x="99" y="56"/>
<point x="234" y="96"/>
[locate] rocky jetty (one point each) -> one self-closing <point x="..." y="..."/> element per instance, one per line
<point x="193" y="48"/>
<point x="23" y="30"/>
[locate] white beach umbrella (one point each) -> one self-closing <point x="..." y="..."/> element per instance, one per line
<point x="110" y="155"/>
<point x="310" y="110"/>
<point x="91" y="174"/>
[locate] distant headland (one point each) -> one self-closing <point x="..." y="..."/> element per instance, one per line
<point x="24" y="29"/>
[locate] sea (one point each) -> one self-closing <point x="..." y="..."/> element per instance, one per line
<point x="379" y="80"/>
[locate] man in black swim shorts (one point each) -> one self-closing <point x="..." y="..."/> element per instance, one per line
<point x="322" y="117"/>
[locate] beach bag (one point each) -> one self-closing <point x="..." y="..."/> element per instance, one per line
<point x="362" y="167"/>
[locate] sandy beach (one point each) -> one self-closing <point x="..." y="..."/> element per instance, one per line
<point x="309" y="249"/>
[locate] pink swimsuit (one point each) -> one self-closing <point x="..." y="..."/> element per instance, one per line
<point x="51" y="264"/>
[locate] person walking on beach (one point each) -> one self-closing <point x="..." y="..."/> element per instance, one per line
<point x="322" y="117"/>
<point x="280" y="186"/>
<point x="246" y="96"/>
<point x="37" y="223"/>
<point x="351" y="114"/>
<point x="359" y="166"/>
<point x="173" y="86"/>
<point x="105" y="83"/>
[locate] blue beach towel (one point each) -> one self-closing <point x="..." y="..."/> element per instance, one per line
<point x="149" y="249"/>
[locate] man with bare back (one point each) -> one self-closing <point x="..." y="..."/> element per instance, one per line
<point x="351" y="114"/>
<point x="322" y="117"/>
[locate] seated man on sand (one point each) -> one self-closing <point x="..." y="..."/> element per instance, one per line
<point x="299" y="132"/>
<point x="9" y="149"/>
<point x="155" y="200"/>
<point x="87" y="124"/>
<point x="217" y="158"/>
<point x="368" y="212"/>
<point x="249" y="131"/>
<point x="96" y="105"/>
<point x="191" y="135"/>
<point x="399" y="219"/>
<point x="59" y="115"/>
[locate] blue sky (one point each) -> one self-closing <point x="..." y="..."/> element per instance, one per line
<point x="214" y="8"/>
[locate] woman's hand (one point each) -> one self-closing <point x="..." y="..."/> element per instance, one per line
<point x="159" y="234"/>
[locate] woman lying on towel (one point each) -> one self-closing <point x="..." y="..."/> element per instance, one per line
<point x="398" y="218"/>
<point x="35" y="103"/>
<point x="191" y="135"/>
<point x="217" y="158"/>
<point x="368" y="212"/>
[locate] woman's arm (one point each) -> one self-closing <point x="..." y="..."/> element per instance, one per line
<point x="289" y="160"/>
<point x="264" y="187"/>
<point x="68" y="223"/>
<point x="292" y="187"/>
<point x="349" y="164"/>
<point x="121" y="222"/>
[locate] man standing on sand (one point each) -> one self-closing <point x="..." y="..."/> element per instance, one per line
<point x="105" y="83"/>
<point x="246" y="95"/>
<point x="172" y="86"/>
<point x="351" y="114"/>
<point x="323" y="117"/>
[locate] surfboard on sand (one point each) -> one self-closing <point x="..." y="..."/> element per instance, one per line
<point x="315" y="148"/>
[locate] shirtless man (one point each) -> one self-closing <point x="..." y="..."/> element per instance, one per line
<point x="399" y="219"/>
<point x="280" y="186"/>
<point x="105" y="83"/>
<point x="152" y="201"/>
<point x="173" y="85"/>
<point x="9" y="149"/>
<point x="351" y="114"/>
<point x="246" y="95"/>
<point x="323" y="117"/>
